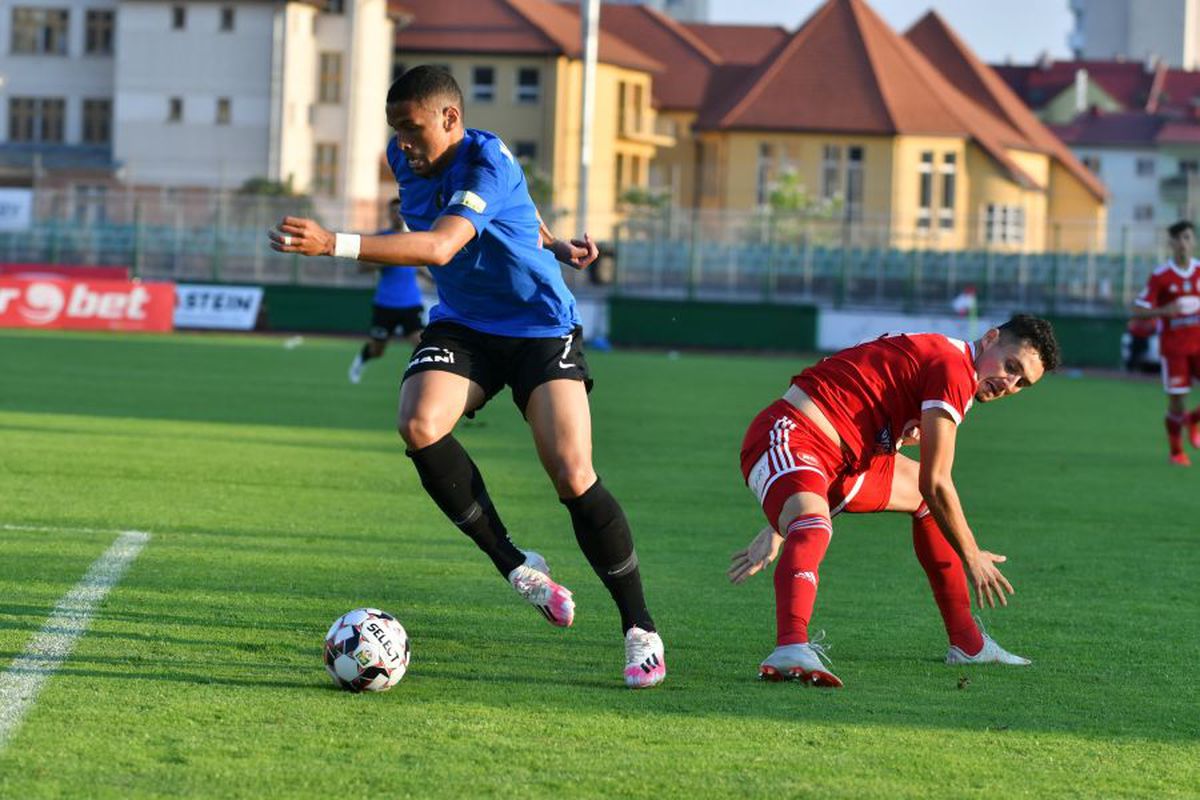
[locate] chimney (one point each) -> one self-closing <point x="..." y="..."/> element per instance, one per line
<point x="1081" y="90"/>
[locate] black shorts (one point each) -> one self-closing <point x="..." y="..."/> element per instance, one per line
<point x="497" y="361"/>
<point x="386" y="321"/>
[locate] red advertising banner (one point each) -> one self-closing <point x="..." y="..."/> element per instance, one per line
<point x="72" y="271"/>
<point x="86" y="305"/>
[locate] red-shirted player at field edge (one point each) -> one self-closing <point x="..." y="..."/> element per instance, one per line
<point x="1172" y="295"/>
<point x="841" y="420"/>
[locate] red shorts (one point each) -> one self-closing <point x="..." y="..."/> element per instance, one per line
<point x="783" y="453"/>
<point x="866" y="492"/>
<point x="1178" y="371"/>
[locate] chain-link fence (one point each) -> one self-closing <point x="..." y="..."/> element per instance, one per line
<point x="793" y="258"/>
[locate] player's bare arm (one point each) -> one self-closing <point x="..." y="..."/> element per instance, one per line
<point x="938" y="437"/>
<point x="578" y="253"/>
<point x="435" y="248"/>
<point x="1184" y="305"/>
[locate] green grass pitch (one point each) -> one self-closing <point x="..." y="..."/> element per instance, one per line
<point x="278" y="497"/>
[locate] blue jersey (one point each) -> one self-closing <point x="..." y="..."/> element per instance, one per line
<point x="397" y="287"/>
<point x="501" y="282"/>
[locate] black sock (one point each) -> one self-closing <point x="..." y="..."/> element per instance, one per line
<point x="453" y="481"/>
<point x="604" y="537"/>
<point x="365" y="354"/>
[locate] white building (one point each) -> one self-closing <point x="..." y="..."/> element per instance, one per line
<point x="1137" y="30"/>
<point x="198" y="94"/>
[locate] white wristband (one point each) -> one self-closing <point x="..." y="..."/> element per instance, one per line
<point x="346" y="245"/>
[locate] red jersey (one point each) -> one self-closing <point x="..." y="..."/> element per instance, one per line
<point x="1178" y="335"/>
<point x="873" y="392"/>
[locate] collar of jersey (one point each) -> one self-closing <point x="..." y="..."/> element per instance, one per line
<point x="1191" y="268"/>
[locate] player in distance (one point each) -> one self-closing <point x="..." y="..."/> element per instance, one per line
<point x="831" y="440"/>
<point x="504" y="317"/>
<point x="1172" y="296"/>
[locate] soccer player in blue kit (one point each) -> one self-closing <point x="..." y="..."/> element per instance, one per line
<point x="504" y="317"/>
<point x="396" y="307"/>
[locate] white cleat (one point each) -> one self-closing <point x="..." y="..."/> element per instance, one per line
<point x="645" y="665"/>
<point x="532" y="581"/>
<point x="799" y="662"/>
<point x="991" y="653"/>
<point x="356" y="369"/>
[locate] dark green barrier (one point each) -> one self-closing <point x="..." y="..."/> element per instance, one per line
<point x="680" y="323"/>
<point x="1090" y="341"/>
<point x="317" y="308"/>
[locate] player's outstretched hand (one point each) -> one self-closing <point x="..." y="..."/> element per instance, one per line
<point x="303" y="236"/>
<point x="989" y="584"/>
<point x="579" y="253"/>
<point x="761" y="551"/>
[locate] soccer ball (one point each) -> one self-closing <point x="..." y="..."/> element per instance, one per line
<point x="366" y="650"/>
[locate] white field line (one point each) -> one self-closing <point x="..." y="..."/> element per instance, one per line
<point x="48" y="651"/>
<point x="56" y="528"/>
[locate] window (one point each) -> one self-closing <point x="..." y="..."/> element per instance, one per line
<point x="335" y="6"/>
<point x="22" y="112"/>
<point x="329" y="83"/>
<point x="1143" y="213"/>
<point x="174" y="109"/>
<point x="325" y="169"/>
<point x="97" y="121"/>
<point x="766" y="173"/>
<point x="35" y="119"/>
<point x="925" y="190"/>
<point x="831" y="171"/>
<point x="1189" y="166"/>
<point x="483" y="84"/>
<point x="98" y="39"/>
<point x="1145" y="167"/>
<point x="224" y="110"/>
<point x="637" y="108"/>
<point x="227" y="18"/>
<point x="178" y="18"/>
<point x="529" y="85"/>
<point x="526" y="151"/>
<point x="854" y="183"/>
<point x="621" y="99"/>
<point x="39" y="31"/>
<point x="635" y="165"/>
<point x="1004" y="224"/>
<point x="619" y="174"/>
<point x="949" y="190"/>
<point x="1092" y="163"/>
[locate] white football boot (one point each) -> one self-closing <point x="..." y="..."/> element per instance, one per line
<point x="357" y="366"/>
<point x="799" y="662"/>
<point x="645" y="665"/>
<point x="532" y="581"/>
<point x="991" y="653"/>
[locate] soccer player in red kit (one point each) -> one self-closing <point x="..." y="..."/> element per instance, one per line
<point x="1172" y="296"/>
<point x="845" y="416"/>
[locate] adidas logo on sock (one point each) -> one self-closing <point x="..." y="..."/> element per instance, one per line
<point x="806" y="575"/>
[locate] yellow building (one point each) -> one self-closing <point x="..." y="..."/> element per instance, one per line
<point x="519" y="63"/>
<point x="911" y="141"/>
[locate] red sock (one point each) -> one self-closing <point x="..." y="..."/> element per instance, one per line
<point x="1175" y="433"/>
<point x="948" y="580"/>
<point x="796" y="576"/>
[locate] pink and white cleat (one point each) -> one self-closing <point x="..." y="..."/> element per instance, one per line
<point x="532" y="581"/>
<point x="645" y="665"/>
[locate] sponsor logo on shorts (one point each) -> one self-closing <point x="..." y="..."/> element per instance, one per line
<point x="562" y="362"/>
<point x="884" y="442"/>
<point x="431" y="355"/>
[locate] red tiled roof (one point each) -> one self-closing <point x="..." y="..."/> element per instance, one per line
<point x="846" y="71"/>
<point x="739" y="44"/>
<point x="1121" y="129"/>
<point x="536" y="27"/>
<point x="1129" y="83"/>
<point x="689" y="61"/>
<point x="978" y="82"/>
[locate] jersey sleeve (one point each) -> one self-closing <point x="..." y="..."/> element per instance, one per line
<point x="948" y="384"/>
<point x="484" y="186"/>
<point x="1148" y="298"/>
